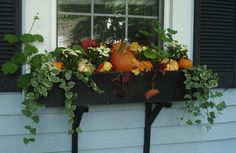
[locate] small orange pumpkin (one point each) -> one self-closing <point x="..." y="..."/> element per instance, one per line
<point x="58" y="65"/>
<point x="121" y="59"/>
<point x="185" y="63"/>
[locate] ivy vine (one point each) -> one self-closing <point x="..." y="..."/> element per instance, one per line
<point x="200" y="97"/>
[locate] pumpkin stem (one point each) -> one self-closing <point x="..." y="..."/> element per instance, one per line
<point x="123" y="46"/>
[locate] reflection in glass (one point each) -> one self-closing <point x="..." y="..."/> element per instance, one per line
<point x="143" y="7"/>
<point x="71" y="29"/>
<point x="135" y="25"/>
<point x="108" y="29"/>
<point x="109" y="6"/>
<point x="82" y="6"/>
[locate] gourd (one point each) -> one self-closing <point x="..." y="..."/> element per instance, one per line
<point x="121" y="59"/>
<point x="170" y="65"/>
<point x="185" y="63"/>
<point x="58" y="65"/>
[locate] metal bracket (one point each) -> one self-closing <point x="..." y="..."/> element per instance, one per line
<point x="78" y="116"/>
<point x="150" y="115"/>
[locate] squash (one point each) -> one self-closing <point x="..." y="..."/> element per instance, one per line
<point x="121" y="59"/>
<point x="58" y="65"/>
<point x="185" y="63"/>
<point x="170" y="65"/>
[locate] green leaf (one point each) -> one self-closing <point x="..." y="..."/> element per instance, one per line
<point x="36" y="60"/>
<point x="26" y="113"/>
<point x="47" y="83"/>
<point x="149" y="53"/>
<point x="68" y="75"/>
<point x="30" y="50"/>
<point x="70" y="131"/>
<point x="53" y="78"/>
<point x="38" y="37"/>
<point x="10" y="38"/>
<point x="9" y="68"/>
<point x="78" y="130"/>
<point x="69" y="95"/>
<point x="71" y="84"/>
<point x="210" y="120"/>
<point x="27" y="38"/>
<point x="33" y="131"/>
<point x="24" y="81"/>
<point x="43" y="91"/>
<point x="28" y="127"/>
<point x="55" y="71"/>
<point x="18" y="59"/>
<point x="189" y="122"/>
<point x="212" y="114"/>
<point x="35" y="118"/>
<point x="30" y="96"/>
<point x="34" y="82"/>
<point x="26" y="141"/>
<point x="198" y="121"/>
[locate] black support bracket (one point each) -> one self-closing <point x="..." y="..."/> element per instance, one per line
<point x="78" y="116"/>
<point x="150" y="115"/>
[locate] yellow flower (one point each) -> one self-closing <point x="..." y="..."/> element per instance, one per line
<point x="134" y="46"/>
<point x="106" y="67"/>
<point x="141" y="66"/>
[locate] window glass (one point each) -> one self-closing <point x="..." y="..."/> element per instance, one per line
<point x="143" y="7"/>
<point x="74" y="6"/>
<point x="105" y="20"/>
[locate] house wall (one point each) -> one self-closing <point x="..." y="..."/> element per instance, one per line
<point x="114" y="128"/>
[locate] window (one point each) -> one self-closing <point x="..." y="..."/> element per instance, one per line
<point x="215" y="38"/>
<point x="105" y="20"/>
<point x="10" y="22"/>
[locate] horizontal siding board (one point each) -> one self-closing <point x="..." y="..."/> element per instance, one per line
<point x="101" y="121"/>
<point x="220" y="146"/>
<point x="45" y="143"/>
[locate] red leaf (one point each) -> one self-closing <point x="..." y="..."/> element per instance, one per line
<point x="150" y="93"/>
<point x="98" y="69"/>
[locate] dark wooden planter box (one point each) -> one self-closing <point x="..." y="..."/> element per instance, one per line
<point x="170" y="85"/>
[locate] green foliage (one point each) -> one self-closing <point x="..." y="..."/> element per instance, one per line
<point x="10" y="38"/>
<point x="24" y="81"/>
<point x="9" y="68"/>
<point x="200" y="98"/>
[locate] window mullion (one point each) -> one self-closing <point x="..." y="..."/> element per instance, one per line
<point x="126" y="19"/>
<point x="92" y="19"/>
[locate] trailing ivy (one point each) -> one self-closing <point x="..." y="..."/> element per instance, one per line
<point x="43" y="76"/>
<point x="200" y="97"/>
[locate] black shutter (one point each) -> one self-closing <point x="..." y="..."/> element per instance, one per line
<point x="10" y="22"/>
<point x="215" y="38"/>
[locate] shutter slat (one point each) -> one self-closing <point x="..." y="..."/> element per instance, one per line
<point x="215" y="38"/>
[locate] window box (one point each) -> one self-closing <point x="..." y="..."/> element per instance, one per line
<point x="170" y="85"/>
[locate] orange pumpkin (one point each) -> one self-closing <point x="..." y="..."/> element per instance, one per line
<point x="121" y="59"/>
<point x="185" y="63"/>
<point x="58" y="65"/>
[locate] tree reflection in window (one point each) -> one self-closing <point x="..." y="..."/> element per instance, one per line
<point x="105" y="20"/>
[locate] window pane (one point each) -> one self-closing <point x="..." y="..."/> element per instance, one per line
<point x="108" y="29"/>
<point x="71" y="29"/>
<point x="135" y="25"/>
<point x="109" y="6"/>
<point x="143" y="7"/>
<point x="82" y="6"/>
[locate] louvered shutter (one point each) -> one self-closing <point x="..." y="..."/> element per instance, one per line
<point x="215" y="38"/>
<point x="10" y="22"/>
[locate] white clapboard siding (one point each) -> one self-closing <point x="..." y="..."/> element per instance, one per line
<point x="114" y="129"/>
